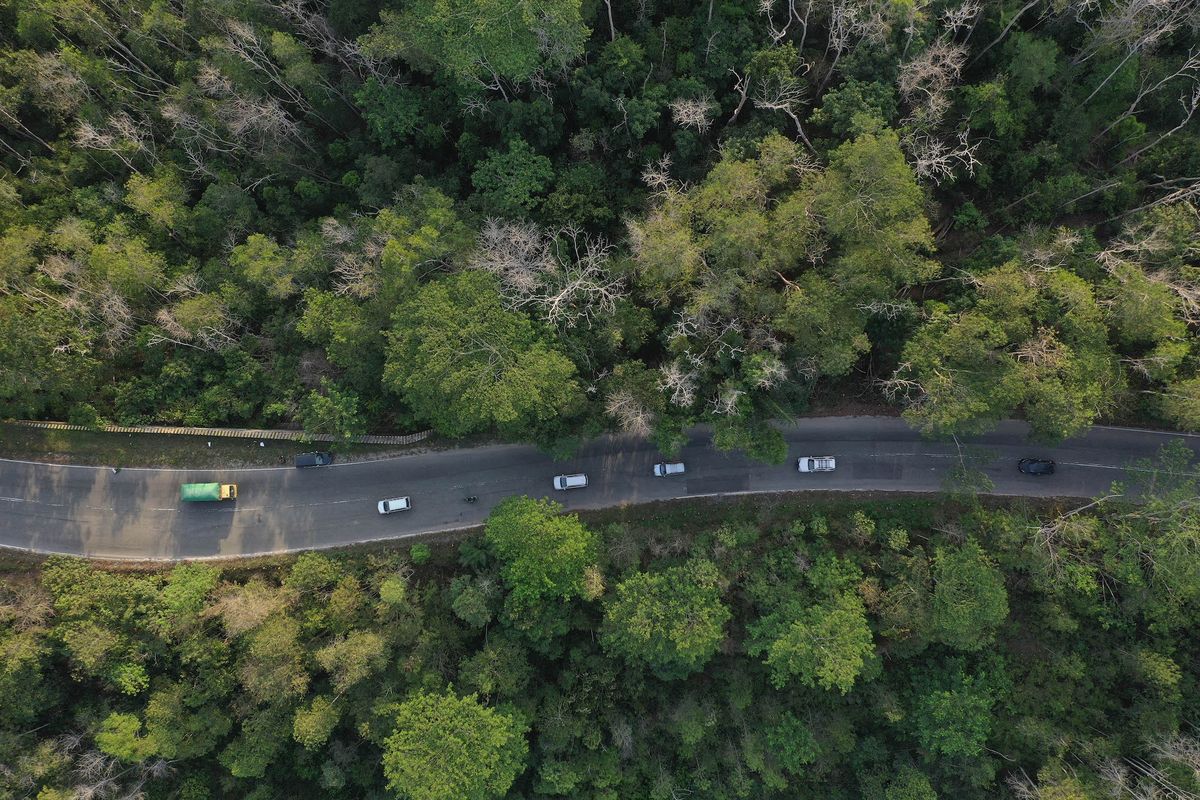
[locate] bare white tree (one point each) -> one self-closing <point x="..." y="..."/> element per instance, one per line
<point x="726" y="401"/>
<point x="935" y="159"/>
<point x="693" y="113"/>
<point x="355" y="275"/>
<point x="117" y="316"/>
<point x="310" y="23"/>
<point x="1190" y="103"/>
<point x="849" y="22"/>
<point x="563" y="274"/>
<point x="199" y="136"/>
<point x="1116" y="775"/>
<point x="337" y="233"/>
<point x="541" y="82"/>
<point x="1043" y="350"/>
<point x="518" y="253"/>
<point x="1141" y="779"/>
<point x="657" y="176"/>
<point x="56" y="86"/>
<point x="355" y="252"/>
<point x="741" y="85"/>
<point x="121" y="135"/>
<point x="244" y="42"/>
<point x="962" y="17"/>
<point x="900" y="387"/>
<point x="585" y="288"/>
<point x="212" y="81"/>
<point x="1049" y="254"/>
<point x="1182" y="750"/>
<point x="785" y="93"/>
<point x="932" y="72"/>
<point x="202" y="321"/>
<point x="925" y="83"/>
<point x="1151" y="367"/>
<point x="265" y="119"/>
<point x="99" y="776"/>
<point x="678" y="380"/>
<point x="1174" y="190"/>
<point x="778" y="30"/>
<point x="631" y="414"/>
<point x="770" y="371"/>
<point x="887" y="309"/>
<point x="1150" y="244"/>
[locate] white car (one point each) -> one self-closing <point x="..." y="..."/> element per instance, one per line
<point x="564" y="482"/>
<point x="816" y="464"/>
<point x="394" y="505"/>
<point x="663" y="470"/>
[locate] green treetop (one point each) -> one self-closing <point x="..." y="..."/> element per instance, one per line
<point x="969" y="599"/>
<point x="545" y="553"/>
<point x="827" y="645"/>
<point x="480" y="41"/>
<point x="446" y="747"/>
<point x="672" y="621"/>
<point x="465" y="363"/>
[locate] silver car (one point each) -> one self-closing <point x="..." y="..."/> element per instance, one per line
<point x="664" y="469"/>
<point x="564" y="482"/>
<point x="394" y="505"/>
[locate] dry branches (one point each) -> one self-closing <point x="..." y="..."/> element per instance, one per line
<point x="693" y="113"/>
<point x="631" y="415"/>
<point x="679" y="382"/>
<point x="925" y="83"/>
<point x="937" y="159"/>
<point x="120" y="135"/>
<point x="1135" y="26"/>
<point x="564" y="274"/>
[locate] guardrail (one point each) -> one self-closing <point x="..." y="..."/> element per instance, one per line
<point x="233" y="433"/>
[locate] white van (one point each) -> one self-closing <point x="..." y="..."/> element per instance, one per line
<point x="564" y="482"/>
<point x="816" y="464"/>
<point x="394" y="505"/>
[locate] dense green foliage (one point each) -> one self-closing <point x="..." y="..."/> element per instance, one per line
<point x="452" y="748"/>
<point x="545" y="219"/>
<point x="902" y="652"/>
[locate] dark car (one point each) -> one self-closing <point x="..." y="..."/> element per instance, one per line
<point x="1036" y="466"/>
<point x="314" y="459"/>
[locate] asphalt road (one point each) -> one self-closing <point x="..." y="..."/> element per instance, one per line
<point x="136" y="514"/>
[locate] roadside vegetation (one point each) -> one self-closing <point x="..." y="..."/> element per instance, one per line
<point x="543" y="220"/>
<point x="779" y="648"/>
<point x="97" y="448"/>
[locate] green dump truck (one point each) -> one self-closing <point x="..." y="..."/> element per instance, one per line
<point x="193" y="492"/>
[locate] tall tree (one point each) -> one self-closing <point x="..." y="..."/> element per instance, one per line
<point x="446" y="747"/>
<point x="826" y="645"/>
<point x="671" y="621"/>
<point x="544" y="553"/>
<point x="466" y="364"/>
<point x="969" y="598"/>
<point x="478" y="43"/>
<point x="46" y="359"/>
<point x="1035" y="340"/>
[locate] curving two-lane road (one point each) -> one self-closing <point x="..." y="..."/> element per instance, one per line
<point x="136" y="514"/>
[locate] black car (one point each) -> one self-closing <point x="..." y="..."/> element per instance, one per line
<point x="1036" y="466"/>
<point x="314" y="459"/>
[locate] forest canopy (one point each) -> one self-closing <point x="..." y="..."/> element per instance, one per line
<point x="545" y="220"/>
